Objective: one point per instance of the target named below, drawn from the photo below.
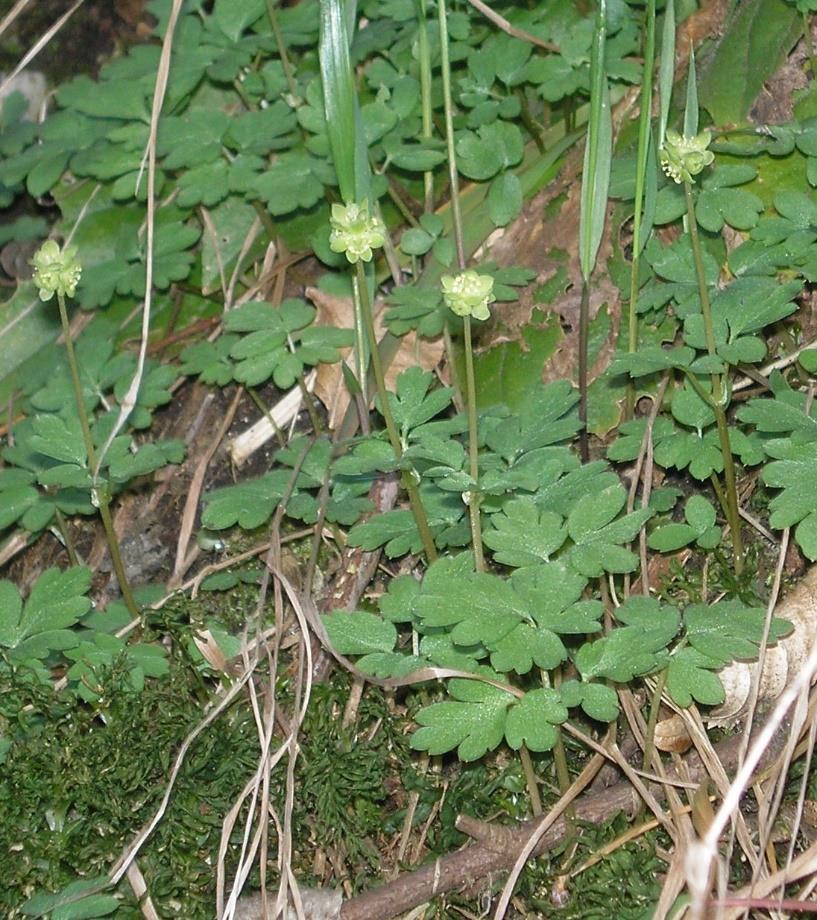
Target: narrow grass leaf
(646, 179)
(597, 153)
(666, 72)
(691, 112)
(340, 101)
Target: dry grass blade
(510, 29)
(162, 73)
(12, 14)
(192, 500)
(581, 782)
(124, 861)
(703, 853)
(137, 882)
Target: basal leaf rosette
(355, 231)
(683, 157)
(56, 270)
(469, 293)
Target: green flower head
(355, 231)
(56, 271)
(469, 293)
(683, 157)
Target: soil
(96, 31)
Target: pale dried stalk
(160, 89)
(194, 491)
(702, 854)
(243, 446)
(131, 851)
(13, 13)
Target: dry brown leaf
(330, 387)
(210, 651)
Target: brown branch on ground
(457, 870)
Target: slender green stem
(377, 366)
(640, 181)
(309, 405)
(528, 120)
(281, 45)
(718, 490)
(584, 321)
(473, 449)
(562, 772)
(424, 59)
(559, 753)
(99, 496)
(809, 46)
(265, 410)
(718, 391)
(652, 721)
(62, 525)
(530, 781)
(361, 343)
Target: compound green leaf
(504, 199)
(233, 16)
(525, 646)
(58, 438)
(598, 537)
(482, 154)
(670, 537)
(597, 700)
(412, 404)
(530, 720)
(262, 131)
(248, 504)
(192, 139)
(729, 630)
(290, 183)
(474, 726)
(210, 360)
(691, 678)
(15, 500)
(524, 534)
(56, 602)
(396, 531)
(359, 633)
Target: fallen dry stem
(456, 870)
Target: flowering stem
(377, 366)
(424, 60)
(473, 448)
(100, 494)
(717, 400)
(584, 314)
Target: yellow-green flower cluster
(683, 157)
(56, 271)
(355, 231)
(469, 293)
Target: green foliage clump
(77, 780)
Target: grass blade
(666, 73)
(691, 111)
(346, 138)
(597, 153)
